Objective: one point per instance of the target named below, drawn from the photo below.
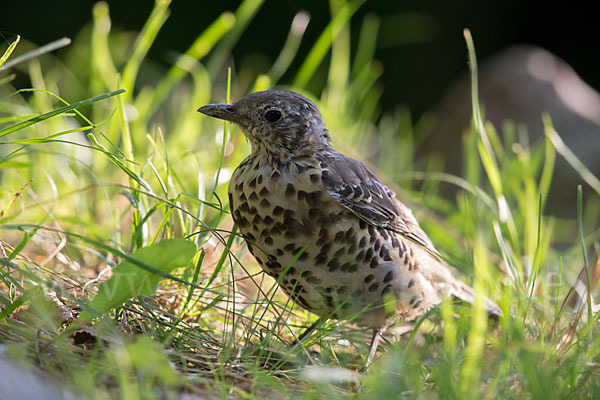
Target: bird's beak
(222, 111)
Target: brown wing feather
(358, 189)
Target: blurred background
(420, 54)
(420, 43)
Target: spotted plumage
(352, 246)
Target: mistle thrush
(354, 249)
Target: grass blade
(58, 111)
(8, 52)
(47, 48)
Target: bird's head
(281, 123)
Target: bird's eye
(273, 115)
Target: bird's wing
(355, 187)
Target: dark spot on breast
(363, 242)
(384, 233)
(240, 186)
(288, 213)
(314, 178)
(267, 220)
(300, 168)
(371, 230)
(388, 277)
(385, 254)
(313, 280)
(312, 198)
(253, 210)
(274, 265)
(264, 192)
(349, 267)
(253, 196)
(342, 289)
(349, 235)
(377, 245)
(264, 203)
(321, 258)
(322, 240)
(369, 278)
(314, 213)
(242, 222)
(259, 180)
(268, 240)
(333, 265)
(301, 195)
(290, 248)
(304, 256)
(275, 174)
(292, 228)
(362, 224)
(278, 210)
(250, 237)
(279, 252)
(410, 283)
(373, 287)
(352, 249)
(340, 237)
(257, 219)
(416, 304)
(290, 190)
(302, 301)
(360, 256)
(395, 242)
(277, 229)
(326, 247)
(374, 263)
(341, 251)
(252, 183)
(368, 254)
(244, 207)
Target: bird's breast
(327, 259)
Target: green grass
(91, 174)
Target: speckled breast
(333, 262)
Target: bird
(337, 239)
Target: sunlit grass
(90, 174)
